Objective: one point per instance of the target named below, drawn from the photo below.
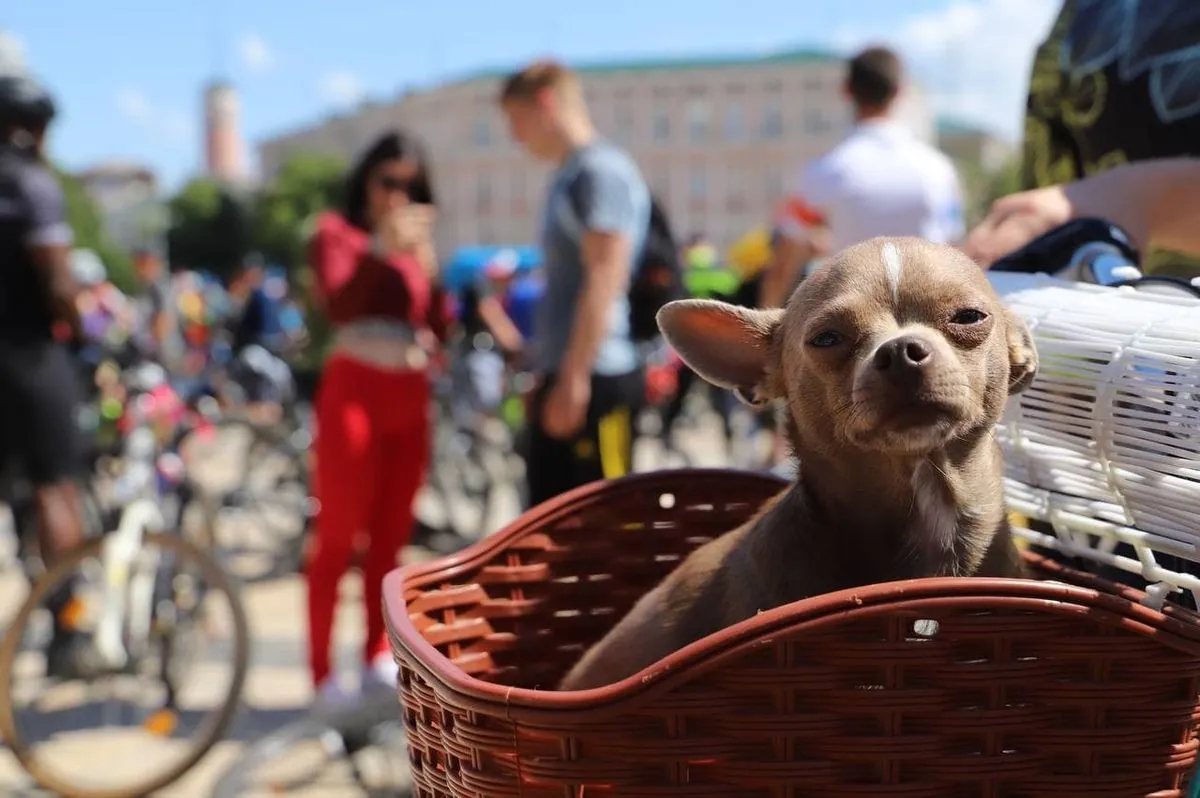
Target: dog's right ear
(730, 346)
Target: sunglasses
(393, 184)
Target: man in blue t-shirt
(595, 222)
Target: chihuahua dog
(895, 361)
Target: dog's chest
(935, 517)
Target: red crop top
(354, 283)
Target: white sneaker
(332, 697)
(381, 674)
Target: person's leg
(344, 487)
(43, 398)
(404, 456)
(549, 463)
(674, 408)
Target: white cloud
(972, 56)
(135, 106)
(340, 88)
(12, 54)
(255, 54)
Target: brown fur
(900, 476)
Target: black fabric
(39, 396)
(555, 466)
(1115, 83)
(31, 208)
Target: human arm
(1156, 202)
(604, 201)
(49, 238)
(803, 227)
(348, 270)
(499, 324)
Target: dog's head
(895, 346)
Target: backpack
(657, 276)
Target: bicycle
(347, 736)
(151, 607)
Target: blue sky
(129, 72)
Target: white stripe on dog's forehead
(892, 266)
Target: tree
(88, 226)
(210, 228)
(306, 185)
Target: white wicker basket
(1105, 445)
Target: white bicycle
(141, 598)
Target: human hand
(407, 229)
(565, 409)
(1015, 220)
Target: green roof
(950, 126)
(648, 64)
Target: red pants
(372, 450)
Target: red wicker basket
(955, 688)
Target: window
(772, 122)
(734, 122)
(697, 185)
(698, 113)
(816, 122)
(812, 83)
(481, 134)
(517, 185)
(624, 126)
(483, 193)
(774, 185)
(662, 125)
(735, 184)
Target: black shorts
(603, 449)
(39, 402)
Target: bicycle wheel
(302, 754)
(209, 731)
(265, 497)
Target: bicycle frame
(121, 548)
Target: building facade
(128, 199)
(718, 139)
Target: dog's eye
(968, 316)
(825, 339)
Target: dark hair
(391, 146)
(873, 77)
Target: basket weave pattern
(1105, 445)
(952, 688)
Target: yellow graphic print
(1061, 109)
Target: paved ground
(277, 690)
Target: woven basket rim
(1103, 601)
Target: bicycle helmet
(24, 102)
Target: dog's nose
(902, 353)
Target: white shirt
(880, 181)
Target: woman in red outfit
(375, 278)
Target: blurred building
(717, 138)
(967, 143)
(127, 196)
(224, 150)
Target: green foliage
(88, 225)
(210, 228)
(305, 186)
(981, 188)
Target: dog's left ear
(730, 346)
(1022, 353)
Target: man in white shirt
(880, 180)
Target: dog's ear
(731, 347)
(1022, 353)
